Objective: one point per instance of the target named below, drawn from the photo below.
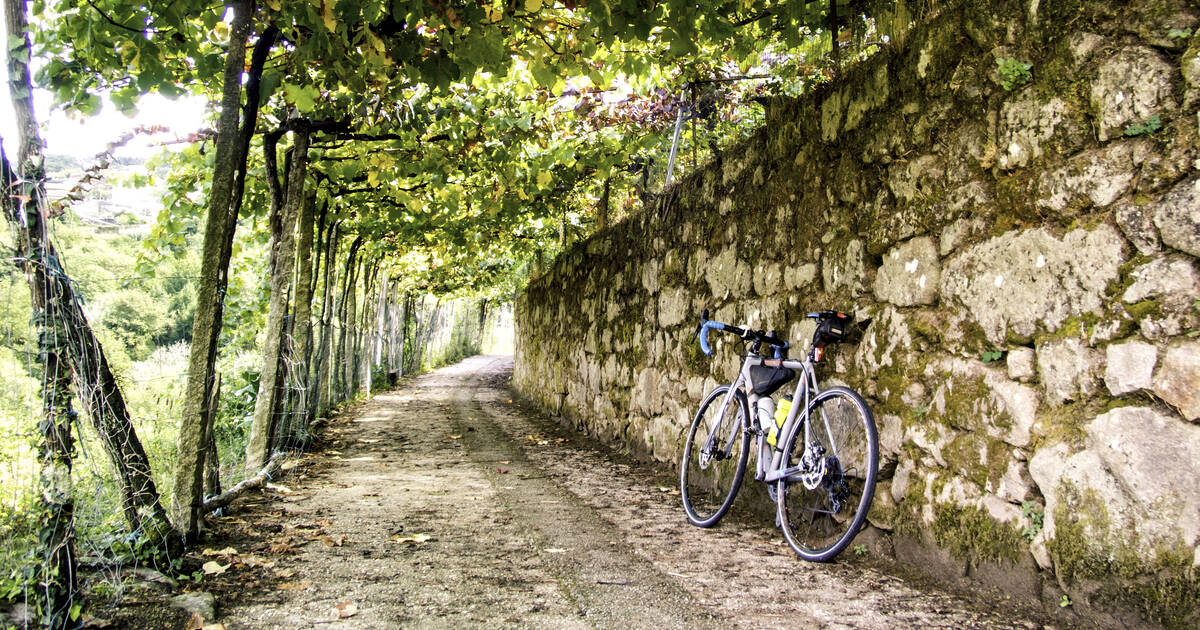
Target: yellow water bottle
(781, 414)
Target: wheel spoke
(824, 506)
(710, 476)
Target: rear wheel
(824, 504)
(714, 457)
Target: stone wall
(1029, 258)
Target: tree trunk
(301, 326)
(258, 444)
(346, 318)
(408, 332)
(366, 327)
(56, 532)
(320, 383)
(602, 207)
(350, 332)
(224, 203)
(483, 324)
(212, 458)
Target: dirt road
(444, 504)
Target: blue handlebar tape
(704, 328)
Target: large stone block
(1131, 86)
(1170, 276)
(1178, 378)
(1117, 488)
(1068, 370)
(1019, 362)
(1098, 177)
(1028, 125)
(798, 276)
(1178, 217)
(919, 176)
(1138, 227)
(1023, 281)
(674, 307)
(728, 275)
(1129, 366)
(844, 267)
(974, 396)
(910, 273)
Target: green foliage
(1034, 515)
(136, 319)
(1013, 73)
(991, 355)
(1179, 33)
(1151, 125)
(860, 550)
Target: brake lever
(703, 318)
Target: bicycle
(821, 474)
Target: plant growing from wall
(1030, 510)
(1013, 73)
(1151, 125)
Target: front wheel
(824, 502)
(714, 457)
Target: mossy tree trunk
(266, 406)
(319, 385)
(350, 333)
(24, 203)
(224, 204)
(346, 319)
(293, 418)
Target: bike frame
(806, 388)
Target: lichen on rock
(1026, 281)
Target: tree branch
(257, 481)
(117, 24)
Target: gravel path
(446, 504)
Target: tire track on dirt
(445, 504)
(741, 570)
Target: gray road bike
(819, 456)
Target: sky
(85, 137)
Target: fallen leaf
(279, 488)
(555, 550)
(333, 542)
(453, 437)
(228, 551)
(664, 489)
(295, 586)
(214, 626)
(284, 574)
(367, 441)
(414, 539)
(322, 523)
(255, 561)
(212, 567)
(505, 462)
(343, 610)
(288, 465)
(196, 622)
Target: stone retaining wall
(1029, 258)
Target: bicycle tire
(706, 499)
(821, 514)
